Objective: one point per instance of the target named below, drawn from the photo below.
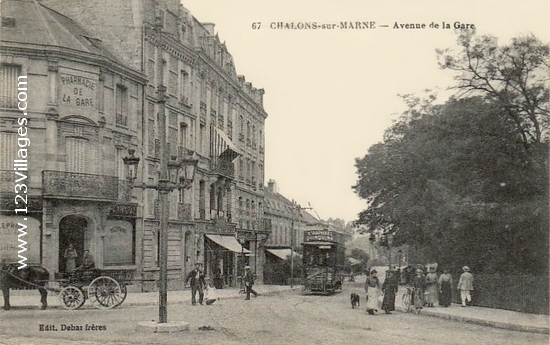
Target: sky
(330, 94)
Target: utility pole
(292, 239)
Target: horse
(29, 277)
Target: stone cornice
(234, 82)
(55, 52)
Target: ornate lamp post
(177, 174)
(131, 162)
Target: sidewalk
(31, 298)
(484, 316)
(498, 318)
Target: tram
(322, 260)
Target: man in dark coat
(197, 283)
(249, 282)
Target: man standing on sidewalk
(197, 282)
(249, 282)
(465, 285)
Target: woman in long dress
(432, 287)
(445, 288)
(389, 288)
(373, 290)
(70, 256)
(418, 283)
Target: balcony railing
(78, 185)
(222, 167)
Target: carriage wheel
(124, 292)
(72, 297)
(106, 292)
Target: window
(181, 195)
(121, 169)
(212, 197)
(8, 85)
(183, 134)
(81, 156)
(121, 105)
(8, 143)
(151, 137)
(184, 87)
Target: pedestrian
(445, 288)
(390, 287)
(197, 282)
(432, 288)
(373, 290)
(249, 282)
(70, 256)
(418, 283)
(465, 286)
(211, 294)
(88, 261)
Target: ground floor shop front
(59, 231)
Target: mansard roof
(28, 22)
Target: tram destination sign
(321, 235)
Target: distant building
(288, 222)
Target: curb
(478, 321)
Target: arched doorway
(72, 229)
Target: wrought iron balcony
(222, 167)
(64, 184)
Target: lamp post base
(168, 327)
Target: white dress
(373, 294)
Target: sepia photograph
(274, 172)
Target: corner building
(84, 111)
(212, 114)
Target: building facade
(69, 110)
(287, 222)
(212, 114)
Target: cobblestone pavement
(284, 318)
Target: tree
(360, 255)
(453, 183)
(514, 76)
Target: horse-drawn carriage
(104, 288)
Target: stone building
(69, 111)
(288, 221)
(212, 114)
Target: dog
(355, 300)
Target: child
(211, 294)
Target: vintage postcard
(274, 172)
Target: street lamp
(131, 162)
(170, 170)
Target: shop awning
(282, 253)
(223, 146)
(228, 242)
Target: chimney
(272, 186)
(209, 27)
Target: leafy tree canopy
(466, 181)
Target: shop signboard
(19, 239)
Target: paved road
(288, 318)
